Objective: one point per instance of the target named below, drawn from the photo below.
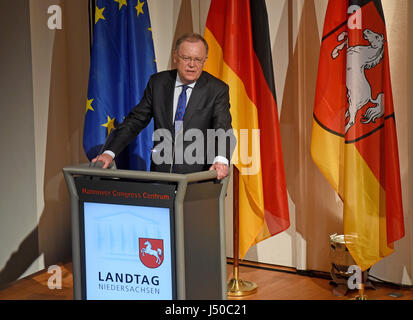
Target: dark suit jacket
(207, 108)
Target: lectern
(147, 235)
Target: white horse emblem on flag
(360, 58)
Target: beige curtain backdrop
(60, 60)
(317, 209)
(60, 63)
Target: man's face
(190, 59)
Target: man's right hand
(105, 158)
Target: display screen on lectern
(127, 252)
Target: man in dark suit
(190, 108)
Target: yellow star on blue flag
(122, 61)
(89, 105)
(110, 124)
(99, 14)
(121, 3)
(139, 8)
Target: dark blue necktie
(180, 109)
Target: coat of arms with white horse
(359, 92)
(151, 252)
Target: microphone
(102, 149)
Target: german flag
(354, 141)
(240, 54)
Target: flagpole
(236, 286)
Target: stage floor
(274, 283)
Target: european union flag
(122, 62)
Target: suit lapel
(169, 90)
(194, 100)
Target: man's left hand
(221, 169)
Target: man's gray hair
(191, 37)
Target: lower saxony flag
(354, 140)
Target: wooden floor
(272, 285)
(285, 284)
